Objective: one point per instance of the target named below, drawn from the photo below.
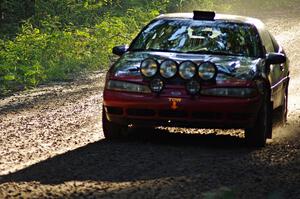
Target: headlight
(193, 87)
(127, 87)
(168, 68)
(156, 85)
(187, 70)
(207, 71)
(230, 92)
(149, 67)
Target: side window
(267, 41)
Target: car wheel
(257, 135)
(111, 130)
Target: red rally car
(199, 70)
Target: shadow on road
(140, 158)
(147, 165)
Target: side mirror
(119, 50)
(275, 58)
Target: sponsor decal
(174, 103)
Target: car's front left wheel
(257, 135)
(111, 130)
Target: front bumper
(187, 111)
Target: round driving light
(168, 68)
(193, 87)
(149, 67)
(187, 70)
(207, 71)
(156, 85)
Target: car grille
(140, 112)
(114, 110)
(172, 113)
(207, 115)
(165, 113)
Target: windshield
(194, 36)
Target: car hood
(229, 67)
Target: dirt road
(52, 146)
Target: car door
(276, 71)
(280, 74)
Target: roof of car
(223, 17)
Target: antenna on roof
(204, 15)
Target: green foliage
(12, 12)
(229, 5)
(68, 37)
(190, 5)
(19, 61)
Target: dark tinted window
(193, 36)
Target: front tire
(257, 135)
(111, 130)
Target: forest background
(57, 40)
